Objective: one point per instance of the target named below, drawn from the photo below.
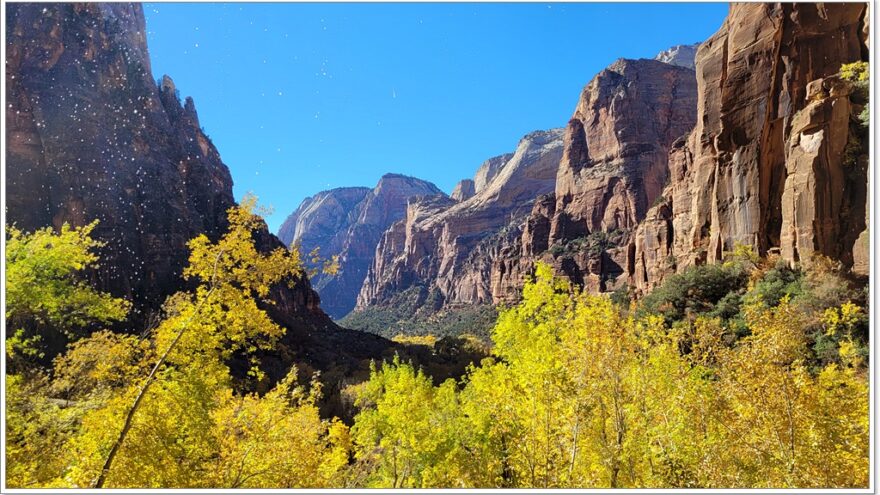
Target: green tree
(46, 296)
(45, 290)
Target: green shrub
(858, 73)
(697, 290)
(594, 243)
(417, 312)
(556, 249)
(622, 296)
(778, 282)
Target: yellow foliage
(276, 441)
(855, 71)
(578, 395)
(575, 394)
(190, 429)
(404, 432)
(780, 420)
(43, 284)
(425, 340)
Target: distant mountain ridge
(348, 222)
(440, 246)
(664, 164)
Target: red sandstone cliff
(774, 161)
(613, 167)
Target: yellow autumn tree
(787, 425)
(47, 299)
(577, 394)
(276, 441)
(169, 428)
(405, 435)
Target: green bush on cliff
(859, 74)
(696, 290)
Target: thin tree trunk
(102, 477)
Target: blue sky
(304, 97)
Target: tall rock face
(91, 135)
(349, 222)
(774, 161)
(617, 142)
(446, 247)
(613, 167)
(488, 170)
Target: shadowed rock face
(319, 220)
(91, 135)
(448, 247)
(765, 165)
(348, 222)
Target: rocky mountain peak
(445, 246)
(610, 172)
(167, 84)
(530, 170)
(680, 55)
(488, 169)
(550, 137)
(348, 222)
(124, 151)
(387, 203)
(127, 152)
(319, 217)
(464, 190)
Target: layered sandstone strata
(447, 247)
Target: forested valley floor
(746, 373)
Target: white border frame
(872, 190)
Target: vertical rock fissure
(771, 153)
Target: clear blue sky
(304, 97)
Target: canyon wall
(572, 197)
(92, 136)
(613, 168)
(445, 247)
(775, 160)
(664, 167)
